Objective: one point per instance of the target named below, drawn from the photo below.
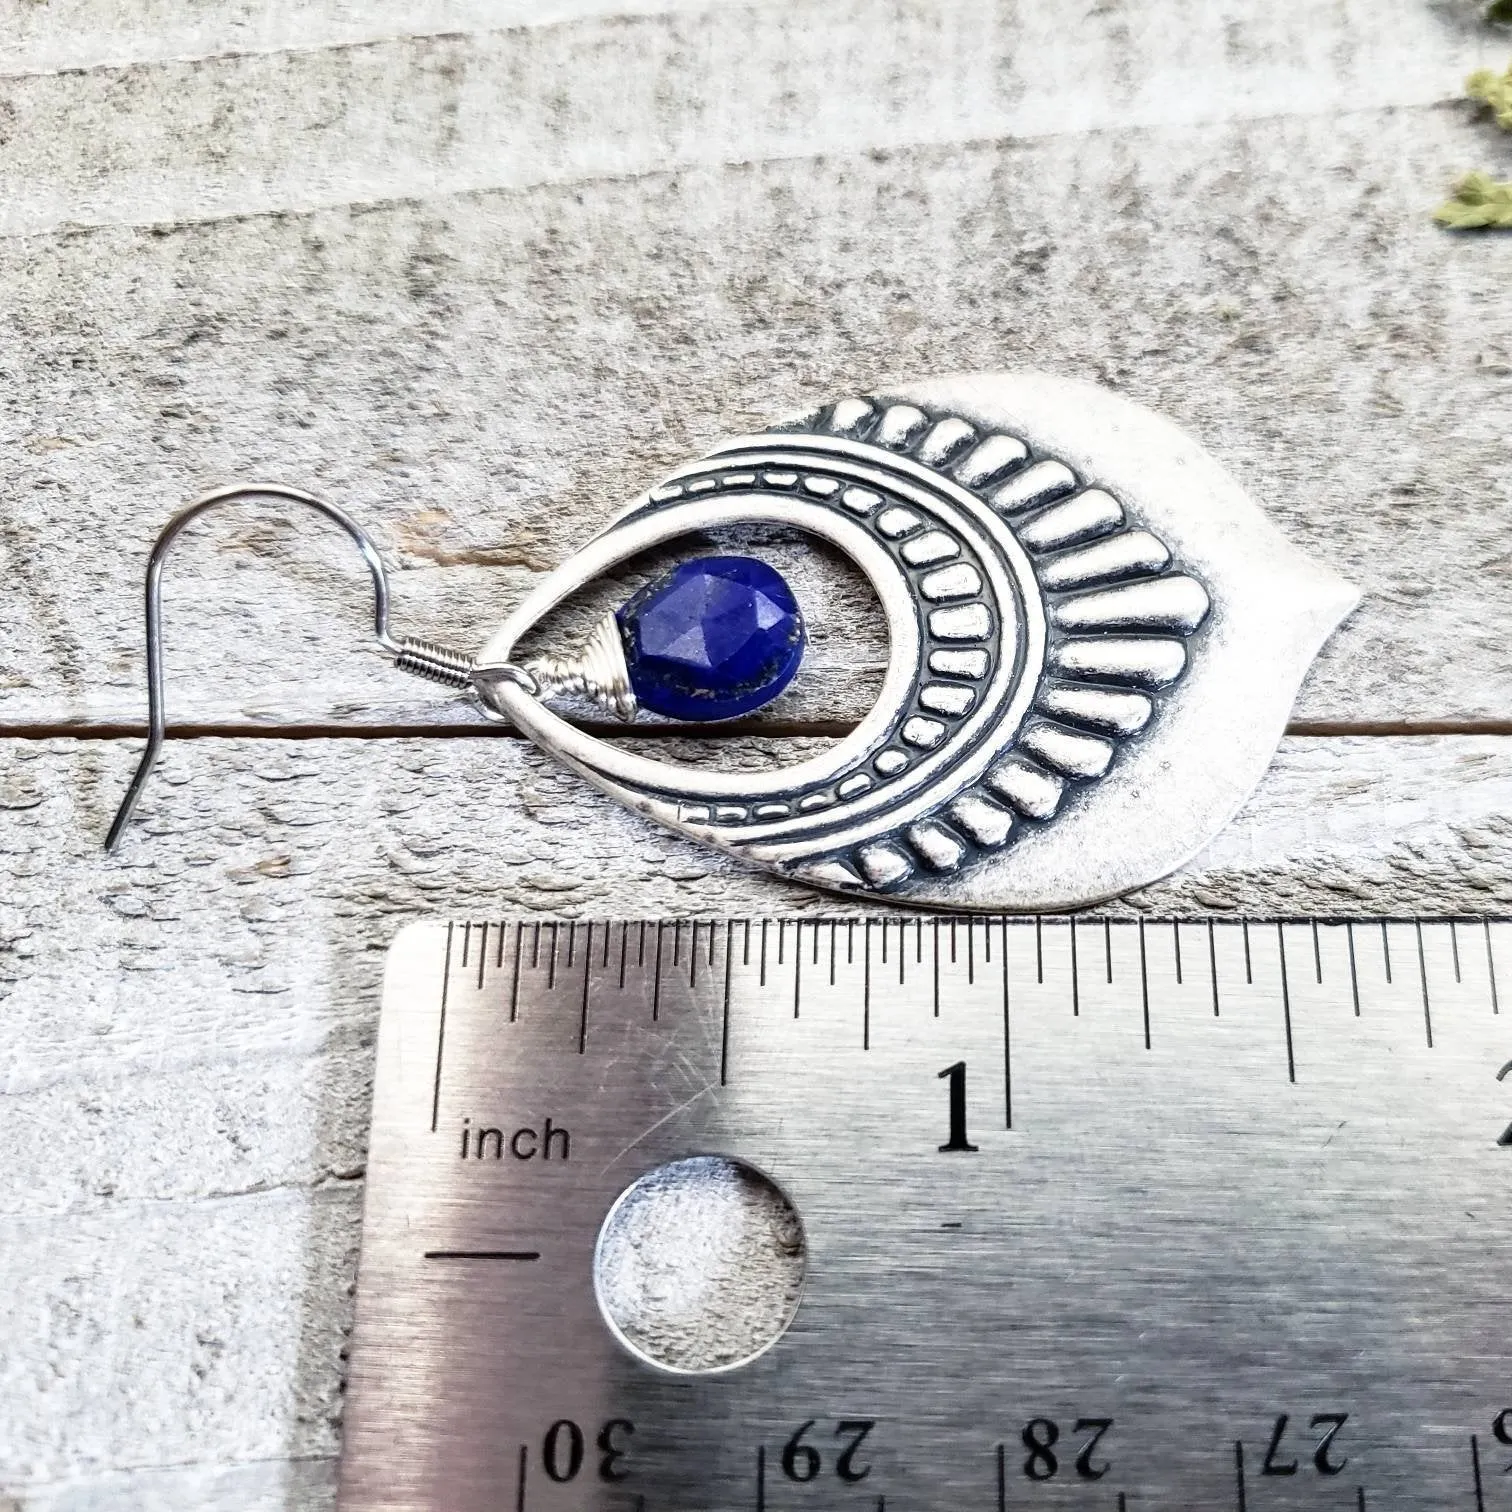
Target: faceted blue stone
(715, 638)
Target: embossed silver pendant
(1096, 639)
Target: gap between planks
(833, 729)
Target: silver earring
(1096, 639)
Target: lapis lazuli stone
(715, 638)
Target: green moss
(1478, 202)
(1500, 10)
(1494, 90)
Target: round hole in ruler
(699, 1265)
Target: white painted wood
(618, 95)
(47, 36)
(482, 378)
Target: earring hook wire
(420, 657)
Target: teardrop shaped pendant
(1095, 641)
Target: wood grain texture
(56, 36)
(482, 378)
(479, 270)
(409, 116)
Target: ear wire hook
(422, 658)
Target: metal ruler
(1221, 1218)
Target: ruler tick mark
(551, 960)
(583, 1006)
(1213, 965)
(521, 1255)
(571, 943)
(514, 984)
(1039, 948)
(782, 942)
(834, 928)
(1491, 969)
(482, 953)
(761, 981)
(1075, 978)
(624, 951)
(937, 968)
(656, 975)
(1423, 979)
(798, 970)
(1360, 1499)
(1108, 947)
(1002, 1479)
(1317, 953)
(1239, 1473)
(1386, 950)
(1007, 1040)
(1176, 946)
(1291, 1059)
(724, 1032)
(693, 954)
(441, 1030)
(970, 952)
(1249, 964)
(761, 1479)
(1454, 948)
(520, 1485)
(1354, 974)
(866, 985)
(1475, 1467)
(1144, 983)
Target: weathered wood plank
(59, 35)
(277, 1485)
(254, 132)
(482, 377)
(186, 1042)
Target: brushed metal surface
(1224, 1172)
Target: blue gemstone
(714, 638)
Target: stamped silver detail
(934, 547)
(973, 664)
(895, 523)
(924, 733)
(1095, 639)
(946, 698)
